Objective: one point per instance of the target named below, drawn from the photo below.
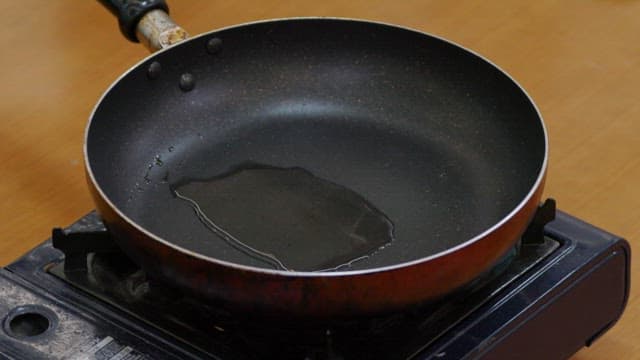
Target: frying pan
(440, 140)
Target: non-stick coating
(435, 137)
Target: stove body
(558, 293)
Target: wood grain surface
(579, 60)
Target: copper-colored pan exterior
(322, 295)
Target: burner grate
(110, 276)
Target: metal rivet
(187, 82)
(154, 70)
(214, 45)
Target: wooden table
(579, 60)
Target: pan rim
(534, 189)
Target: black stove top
(556, 292)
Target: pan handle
(146, 21)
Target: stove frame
(572, 293)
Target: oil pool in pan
(288, 218)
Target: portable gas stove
(76, 296)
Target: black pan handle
(146, 21)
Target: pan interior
(440, 141)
